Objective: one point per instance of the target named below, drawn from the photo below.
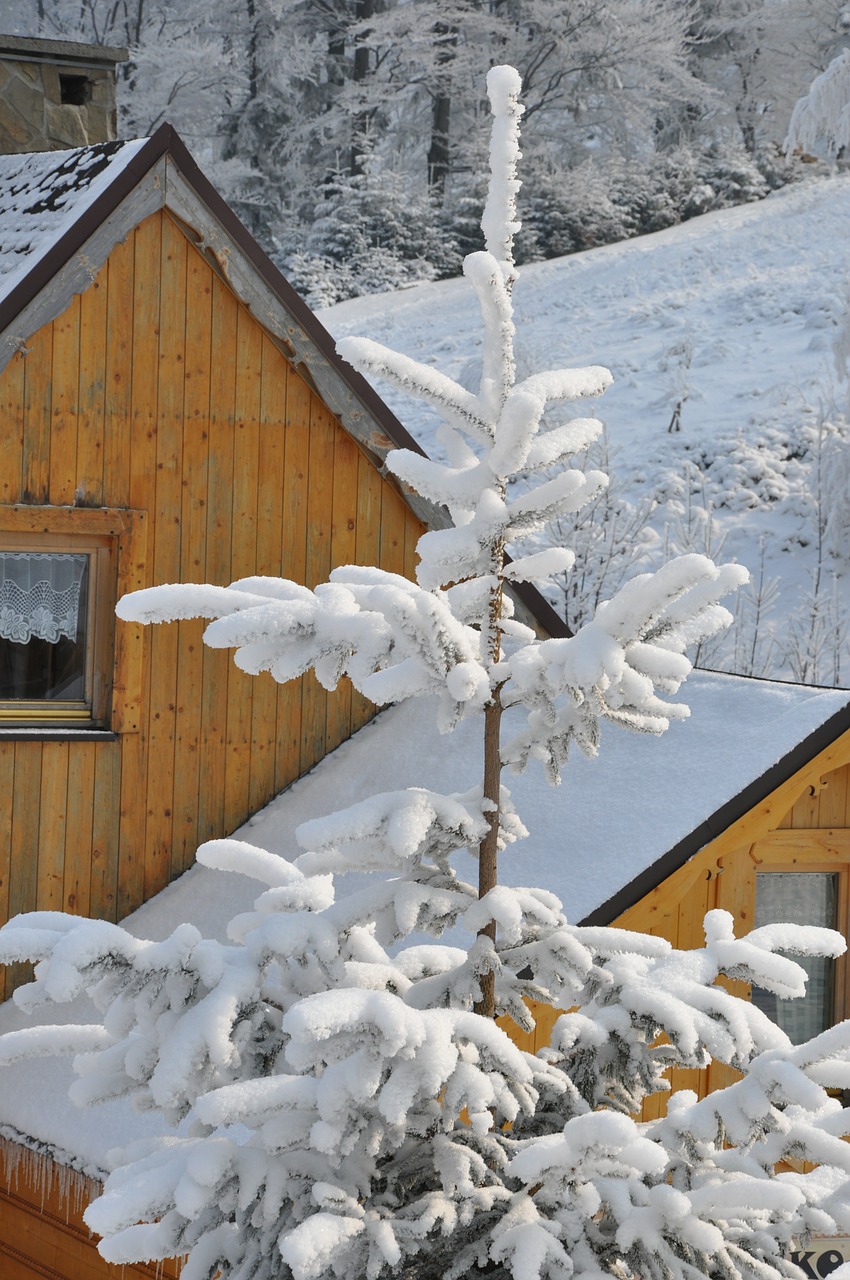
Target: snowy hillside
(736, 317)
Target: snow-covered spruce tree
(343, 1101)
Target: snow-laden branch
(821, 118)
(392, 638)
(458, 405)
(487, 277)
(615, 665)
(390, 830)
(499, 221)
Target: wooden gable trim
(747, 817)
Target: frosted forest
(341, 1098)
(346, 135)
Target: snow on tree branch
(821, 118)
(499, 220)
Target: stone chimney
(55, 94)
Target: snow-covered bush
(343, 1101)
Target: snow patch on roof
(611, 819)
(42, 195)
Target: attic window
(74, 91)
(800, 898)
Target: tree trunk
(438, 151)
(445, 37)
(488, 874)
(488, 849)
(364, 9)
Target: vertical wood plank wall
(157, 390)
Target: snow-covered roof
(43, 195)
(609, 825)
(609, 821)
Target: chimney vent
(55, 94)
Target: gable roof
(618, 824)
(42, 196)
(616, 827)
(62, 212)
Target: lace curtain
(40, 595)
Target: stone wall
(49, 101)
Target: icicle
(36, 1170)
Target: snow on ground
(609, 820)
(736, 311)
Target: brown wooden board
(104, 846)
(92, 391)
(265, 709)
(12, 435)
(171, 356)
(38, 409)
(118, 374)
(65, 406)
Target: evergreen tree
(344, 1102)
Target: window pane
(805, 898)
(43, 625)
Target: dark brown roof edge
(713, 826)
(167, 141)
(540, 608)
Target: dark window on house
(74, 91)
(43, 627)
(56, 597)
(799, 898)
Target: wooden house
(171, 411)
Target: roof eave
(71, 241)
(729, 813)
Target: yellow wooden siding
(157, 390)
